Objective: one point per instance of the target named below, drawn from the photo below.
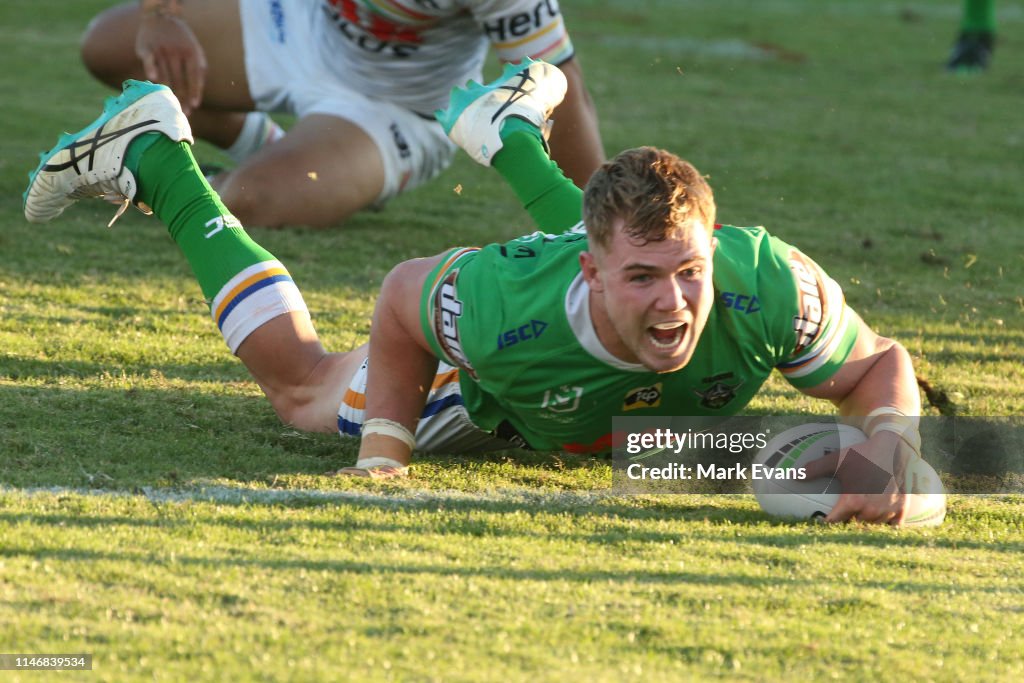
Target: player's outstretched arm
(576, 138)
(401, 370)
(878, 372)
(876, 383)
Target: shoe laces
(107, 189)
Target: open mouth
(666, 335)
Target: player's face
(650, 302)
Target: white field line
(240, 495)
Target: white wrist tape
(378, 461)
(885, 410)
(898, 423)
(385, 427)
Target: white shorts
(444, 427)
(286, 74)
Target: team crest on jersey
(447, 311)
(564, 399)
(811, 302)
(719, 393)
(643, 397)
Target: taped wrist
(379, 461)
(390, 428)
(890, 419)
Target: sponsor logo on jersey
(370, 31)
(740, 302)
(719, 393)
(400, 141)
(643, 397)
(523, 333)
(810, 284)
(277, 18)
(447, 311)
(565, 399)
(518, 25)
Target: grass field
(154, 512)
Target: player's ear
(589, 268)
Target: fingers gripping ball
(792, 498)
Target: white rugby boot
(90, 163)
(529, 90)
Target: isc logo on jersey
(523, 333)
(810, 287)
(447, 311)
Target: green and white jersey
(515, 319)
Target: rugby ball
(786, 496)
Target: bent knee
(303, 406)
(293, 408)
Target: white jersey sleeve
(525, 28)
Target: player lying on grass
(362, 79)
(541, 340)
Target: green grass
(157, 515)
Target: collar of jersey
(577, 310)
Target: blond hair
(655, 194)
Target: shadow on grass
(140, 432)
(497, 568)
(589, 520)
(27, 369)
(136, 434)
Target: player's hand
(872, 476)
(171, 54)
(379, 472)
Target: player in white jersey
(363, 78)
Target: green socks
(245, 285)
(979, 16)
(211, 238)
(551, 199)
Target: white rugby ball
(795, 499)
